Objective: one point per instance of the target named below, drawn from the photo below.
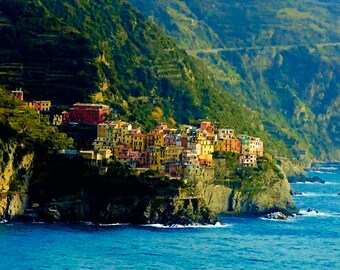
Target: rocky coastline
(304, 179)
(134, 210)
(59, 193)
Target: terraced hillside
(106, 51)
(281, 58)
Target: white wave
(331, 183)
(3, 221)
(314, 194)
(311, 183)
(289, 219)
(308, 183)
(328, 168)
(322, 172)
(113, 224)
(315, 213)
(179, 226)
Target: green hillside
(281, 58)
(23, 130)
(106, 51)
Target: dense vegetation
(105, 51)
(23, 132)
(26, 130)
(281, 58)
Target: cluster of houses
(170, 150)
(173, 151)
(43, 107)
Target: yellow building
(206, 160)
(156, 158)
(128, 139)
(120, 131)
(125, 128)
(173, 153)
(91, 157)
(38, 105)
(43, 105)
(204, 147)
(159, 139)
(102, 130)
(105, 138)
(106, 153)
(116, 150)
(28, 104)
(139, 142)
(256, 146)
(100, 143)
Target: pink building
(87, 113)
(18, 94)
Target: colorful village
(177, 152)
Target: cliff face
(274, 197)
(222, 199)
(253, 195)
(214, 191)
(15, 172)
(133, 209)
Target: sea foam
(315, 213)
(179, 226)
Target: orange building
(207, 126)
(38, 105)
(231, 145)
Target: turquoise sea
(308, 241)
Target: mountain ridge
(71, 51)
(278, 70)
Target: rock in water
(50, 215)
(276, 215)
(294, 192)
(309, 210)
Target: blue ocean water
(309, 241)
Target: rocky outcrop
(15, 172)
(259, 195)
(222, 199)
(134, 210)
(290, 168)
(276, 215)
(275, 197)
(215, 191)
(304, 179)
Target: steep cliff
(126, 209)
(15, 172)
(68, 189)
(249, 192)
(23, 137)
